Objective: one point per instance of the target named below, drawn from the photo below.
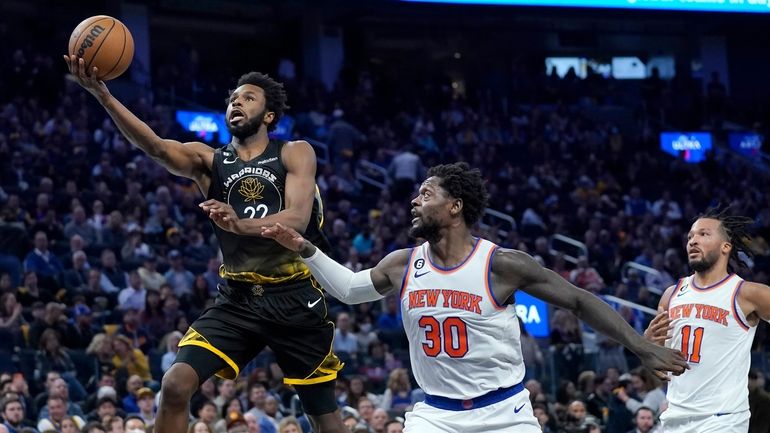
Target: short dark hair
(93, 425)
(393, 421)
(466, 184)
(644, 408)
(8, 400)
(275, 95)
(130, 417)
(736, 230)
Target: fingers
(661, 375)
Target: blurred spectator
(289, 425)
(53, 357)
(645, 391)
(207, 412)
(55, 414)
(94, 427)
(379, 418)
(133, 360)
(30, 291)
(134, 296)
(133, 330)
(153, 318)
(43, 263)
(116, 278)
(11, 320)
(134, 424)
(151, 278)
(394, 426)
(172, 347)
(357, 389)
(252, 423)
(531, 353)
(76, 278)
(145, 400)
(180, 279)
(644, 420)
(365, 409)
(586, 277)
(345, 341)
(212, 274)
(343, 137)
(80, 226)
(759, 401)
(54, 319)
(14, 416)
(398, 393)
(130, 401)
(199, 427)
(225, 391)
(404, 172)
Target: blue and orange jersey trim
(442, 270)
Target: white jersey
(462, 342)
(713, 333)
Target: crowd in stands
(105, 258)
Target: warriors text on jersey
(713, 334)
(256, 189)
(462, 342)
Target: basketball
(103, 42)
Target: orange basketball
(104, 42)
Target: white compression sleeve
(342, 283)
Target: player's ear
(457, 207)
(269, 118)
(727, 247)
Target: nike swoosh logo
(416, 275)
(313, 304)
(227, 161)
(681, 293)
(518, 409)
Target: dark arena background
(602, 129)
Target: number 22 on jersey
(451, 336)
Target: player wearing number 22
(457, 297)
(270, 298)
(711, 316)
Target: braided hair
(735, 228)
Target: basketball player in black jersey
(270, 298)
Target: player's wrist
(307, 250)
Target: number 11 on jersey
(688, 334)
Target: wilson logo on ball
(89, 40)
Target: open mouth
(236, 116)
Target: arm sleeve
(342, 283)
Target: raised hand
(286, 236)
(86, 79)
(222, 214)
(659, 329)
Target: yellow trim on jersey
(257, 278)
(326, 370)
(194, 338)
(312, 381)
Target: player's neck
(251, 146)
(455, 245)
(711, 276)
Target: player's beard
(247, 129)
(706, 262)
(427, 229)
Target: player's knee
(178, 385)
